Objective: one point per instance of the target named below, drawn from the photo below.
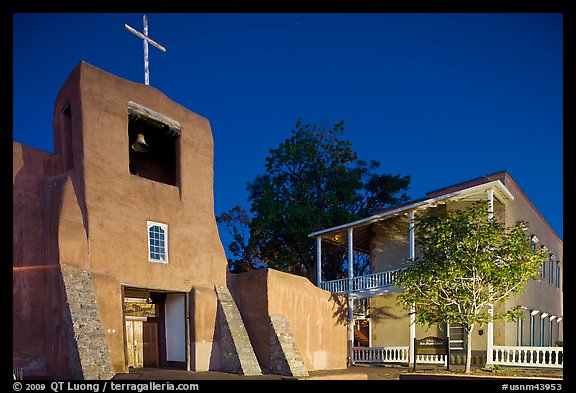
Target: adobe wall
(81, 207)
(119, 204)
(39, 342)
(317, 319)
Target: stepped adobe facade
(117, 260)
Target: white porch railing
(380, 354)
(392, 355)
(551, 357)
(546, 357)
(370, 281)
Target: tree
(237, 223)
(313, 180)
(468, 263)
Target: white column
(490, 203)
(350, 254)
(350, 329)
(370, 332)
(490, 338)
(411, 234)
(319, 261)
(412, 334)
(350, 300)
(412, 308)
(490, 325)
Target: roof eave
(502, 194)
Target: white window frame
(551, 330)
(533, 314)
(162, 243)
(542, 328)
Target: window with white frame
(544, 263)
(533, 314)
(157, 242)
(551, 324)
(551, 268)
(542, 326)
(558, 274)
(534, 242)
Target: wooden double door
(142, 343)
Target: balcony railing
(370, 281)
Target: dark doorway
(155, 328)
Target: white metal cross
(146, 40)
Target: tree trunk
(468, 349)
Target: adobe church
(117, 260)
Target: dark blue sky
(443, 98)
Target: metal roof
(361, 227)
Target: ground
(373, 372)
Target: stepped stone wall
(90, 357)
(237, 354)
(284, 356)
(316, 320)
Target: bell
(140, 145)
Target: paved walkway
(374, 372)
(356, 372)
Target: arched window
(157, 242)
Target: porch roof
(362, 227)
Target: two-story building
(383, 332)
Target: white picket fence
(548, 357)
(380, 354)
(392, 355)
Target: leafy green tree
(468, 262)
(313, 180)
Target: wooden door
(150, 344)
(135, 344)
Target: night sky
(442, 97)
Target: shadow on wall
(375, 312)
(384, 312)
(341, 313)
